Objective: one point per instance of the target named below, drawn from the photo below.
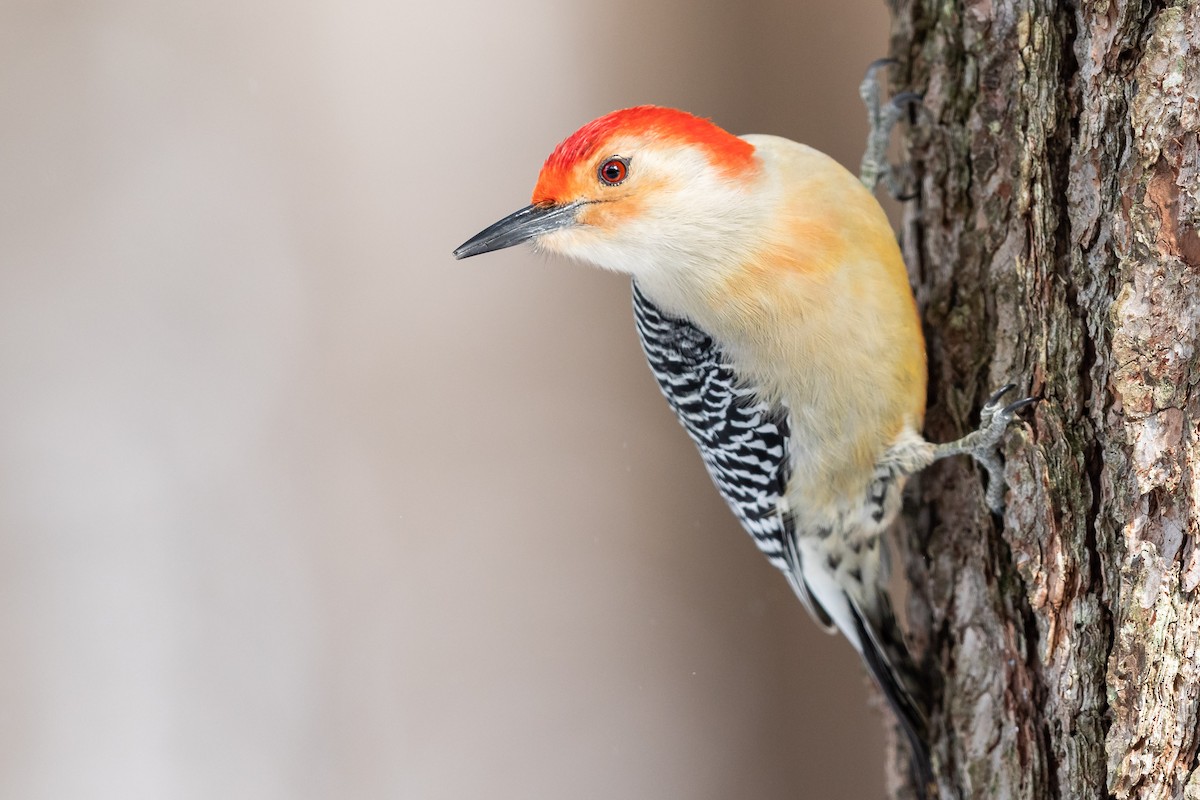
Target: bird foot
(983, 444)
(882, 118)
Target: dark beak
(520, 227)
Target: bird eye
(614, 170)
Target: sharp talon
(1012, 408)
(879, 63)
(994, 400)
(907, 98)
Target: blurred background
(292, 505)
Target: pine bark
(1055, 243)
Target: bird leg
(983, 444)
(882, 118)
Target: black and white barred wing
(742, 440)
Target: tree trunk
(1054, 243)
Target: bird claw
(882, 118)
(992, 404)
(983, 444)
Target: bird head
(636, 190)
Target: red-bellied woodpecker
(775, 311)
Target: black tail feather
(912, 720)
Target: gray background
(292, 505)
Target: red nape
(725, 150)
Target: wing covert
(742, 440)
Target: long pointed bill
(520, 227)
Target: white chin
(584, 245)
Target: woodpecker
(774, 308)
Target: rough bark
(1055, 243)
